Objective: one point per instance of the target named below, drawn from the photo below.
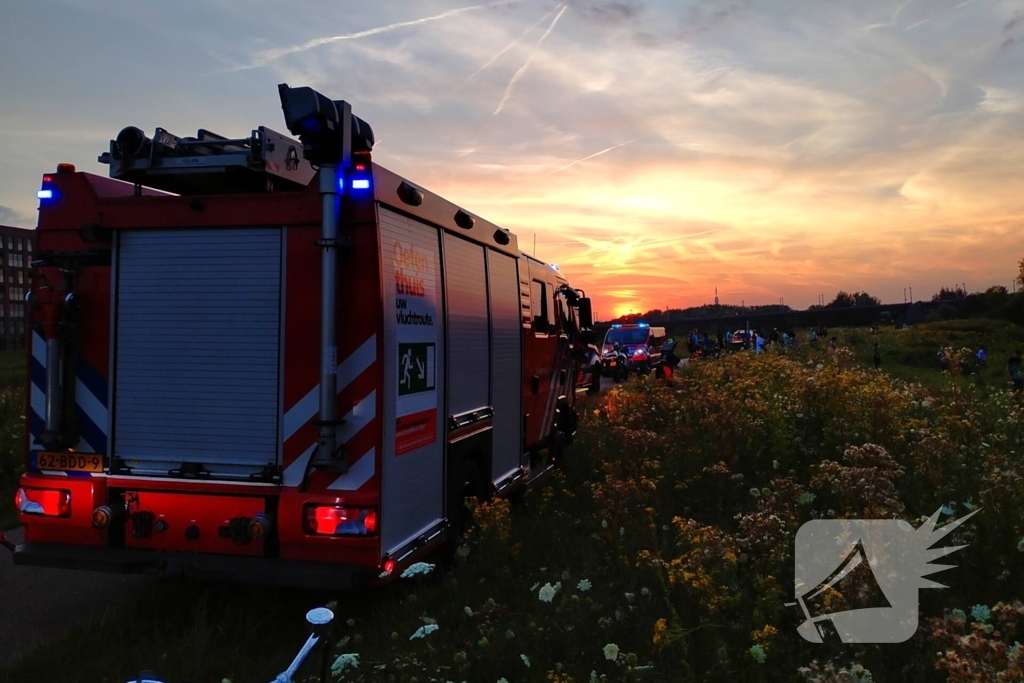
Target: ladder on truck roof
(266, 161)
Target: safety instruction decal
(416, 320)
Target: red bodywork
(164, 508)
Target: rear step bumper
(255, 570)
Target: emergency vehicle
(273, 360)
(640, 343)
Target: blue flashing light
(643, 325)
(45, 194)
(360, 183)
(617, 325)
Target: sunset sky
(655, 148)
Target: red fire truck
(273, 360)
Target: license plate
(70, 462)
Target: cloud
(9, 216)
(271, 55)
(526, 65)
(611, 12)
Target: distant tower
(716, 296)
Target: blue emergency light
(44, 194)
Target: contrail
(595, 154)
(510, 45)
(950, 9)
(272, 55)
(524, 67)
(570, 165)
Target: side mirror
(586, 313)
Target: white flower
(463, 551)
(604, 523)
(645, 591)
(468, 611)
(418, 568)
(611, 652)
(526, 660)
(622, 531)
(926, 404)
(547, 593)
(584, 585)
(534, 586)
(423, 631)
(502, 680)
(630, 597)
(343, 662)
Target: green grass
(12, 431)
(912, 354)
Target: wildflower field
(662, 548)
(12, 430)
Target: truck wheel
(567, 422)
(595, 380)
(556, 444)
(467, 485)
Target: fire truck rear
(273, 360)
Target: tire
(567, 423)
(469, 484)
(595, 380)
(556, 444)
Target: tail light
(44, 502)
(332, 520)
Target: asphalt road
(37, 604)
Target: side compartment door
(506, 363)
(413, 453)
(539, 345)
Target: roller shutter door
(198, 348)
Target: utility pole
(911, 295)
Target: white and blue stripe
(90, 399)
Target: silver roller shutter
(468, 344)
(198, 341)
(507, 363)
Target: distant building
(16, 248)
(716, 296)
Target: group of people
(979, 359)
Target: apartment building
(16, 248)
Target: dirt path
(37, 604)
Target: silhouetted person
(1013, 366)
